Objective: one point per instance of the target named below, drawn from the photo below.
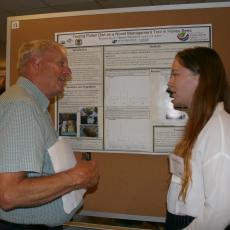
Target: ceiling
(29, 7)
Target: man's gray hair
(36, 47)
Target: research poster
(116, 99)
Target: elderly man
(30, 189)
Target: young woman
(199, 193)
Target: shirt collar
(34, 91)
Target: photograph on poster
(89, 131)
(89, 115)
(67, 124)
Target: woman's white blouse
(208, 197)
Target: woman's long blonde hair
(212, 88)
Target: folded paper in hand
(62, 158)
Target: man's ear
(35, 62)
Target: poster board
(117, 98)
(131, 186)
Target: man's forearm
(28, 192)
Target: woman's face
(182, 84)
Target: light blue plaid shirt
(26, 132)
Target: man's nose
(68, 73)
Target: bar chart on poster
(115, 105)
